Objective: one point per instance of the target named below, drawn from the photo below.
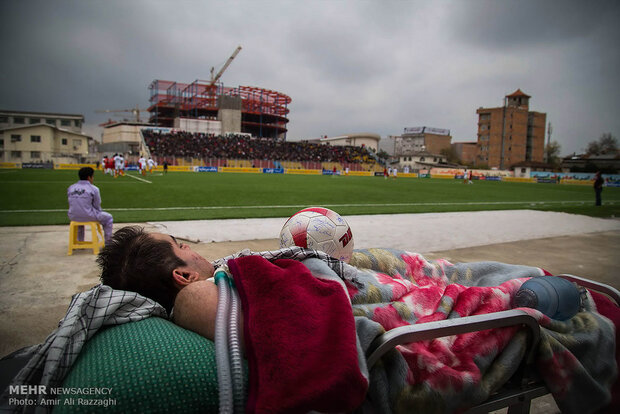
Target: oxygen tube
(236, 362)
(227, 346)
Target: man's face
(194, 261)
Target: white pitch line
(532, 203)
(138, 178)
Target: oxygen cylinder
(555, 297)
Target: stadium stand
(185, 148)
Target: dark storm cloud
(336, 49)
(72, 58)
(375, 66)
(526, 24)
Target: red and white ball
(321, 229)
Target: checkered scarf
(294, 253)
(50, 361)
(344, 271)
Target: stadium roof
(41, 124)
(28, 113)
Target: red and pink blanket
(306, 330)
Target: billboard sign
(414, 130)
(49, 165)
(436, 131)
(205, 169)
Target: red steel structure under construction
(263, 111)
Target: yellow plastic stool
(97, 239)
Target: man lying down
(308, 319)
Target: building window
(34, 121)
(50, 121)
(4, 119)
(16, 154)
(483, 127)
(1, 143)
(485, 117)
(65, 122)
(18, 120)
(77, 123)
(35, 154)
(63, 141)
(16, 138)
(35, 138)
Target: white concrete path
(414, 232)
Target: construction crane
(215, 78)
(135, 111)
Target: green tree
(383, 156)
(606, 144)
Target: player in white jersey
(142, 165)
(151, 164)
(119, 165)
(122, 164)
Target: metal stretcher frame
(519, 392)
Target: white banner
(436, 131)
(414, 130)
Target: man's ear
(183, 277)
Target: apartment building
(511, 133)
(420, 139)
(32, 137)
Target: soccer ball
(321, 229)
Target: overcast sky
(349, 66)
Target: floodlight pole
(548, 142)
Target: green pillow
(151, 365)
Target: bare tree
(606, 144)
(609, 144)
(552, 151)
(450, 154)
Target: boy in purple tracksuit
(85, 204)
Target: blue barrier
(542, 180)
(205, 169)
(273, 170)
(46, 165)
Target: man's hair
(136, 261)
(85, 172)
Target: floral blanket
(389, 288)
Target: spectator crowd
(206, 146)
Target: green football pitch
(38, 197)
